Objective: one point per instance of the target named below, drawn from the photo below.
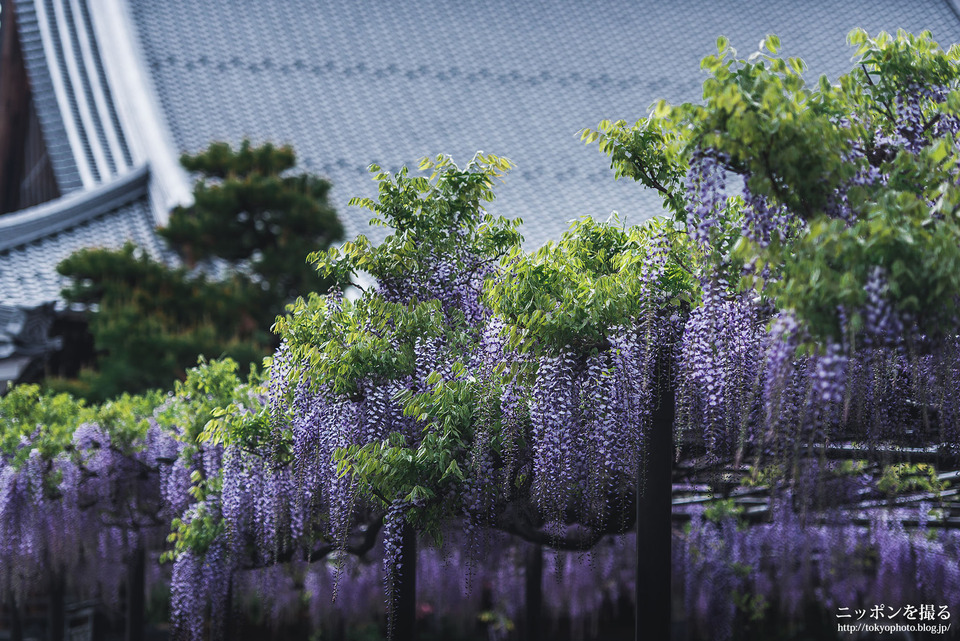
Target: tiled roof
(24, 334)
(351, 83)
(71, 92)
(28, 272)
(45, 100)
(47, 219)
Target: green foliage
(720, 510)
(237, 424)
(30, 419)
(430, 217)
(796, 144)
(647, 152)
(152, 321)
(228, 410)
(499, 623)
(125, 418)
(339, 343)
(761, 115)
(652, 152)
(910, 477)
(421, 473)
(195, 534)
(250, 209)
(214, 405)
(571, 294)
(344, 341)
(373, 339)
(890, 63)
(763, 476)
(827, 268)
(34, 419)
(754, 606)
(210, 391)
(907, 227)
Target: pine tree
(251, 210)
(151, 321)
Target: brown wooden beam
(14, 110)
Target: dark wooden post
(231, 626)
(14, 108)
(136, 594)
(403, 609)
(533, 577)
(57, 606)
(26, 176)
(654, 520)
(16, 625)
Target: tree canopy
(252, 209)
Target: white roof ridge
(51, 217)
(138, 106)
(955, 7)
(59, 77)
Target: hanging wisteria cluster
(802, 310)
(77, 500)
(582, 593)
(355, 438)
(237, 504)
(587, 320)
(586, 426)
(730, 574)
(837, 336)
(826, 242)
(719, 366)
(269, 482)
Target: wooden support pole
(654, 521)
(136, 595)
(533, 578)
(403, 608)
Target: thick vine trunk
(136, 595)
(654, 523)
(403, 609)
(533, 577)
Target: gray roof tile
(53, 34)
(28, 273)
(387, 82)
(353, 83)
(48, 111)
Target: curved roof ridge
(136, 106)
(955, 7)
(45, 97)
(73, 96)
(69, 211)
